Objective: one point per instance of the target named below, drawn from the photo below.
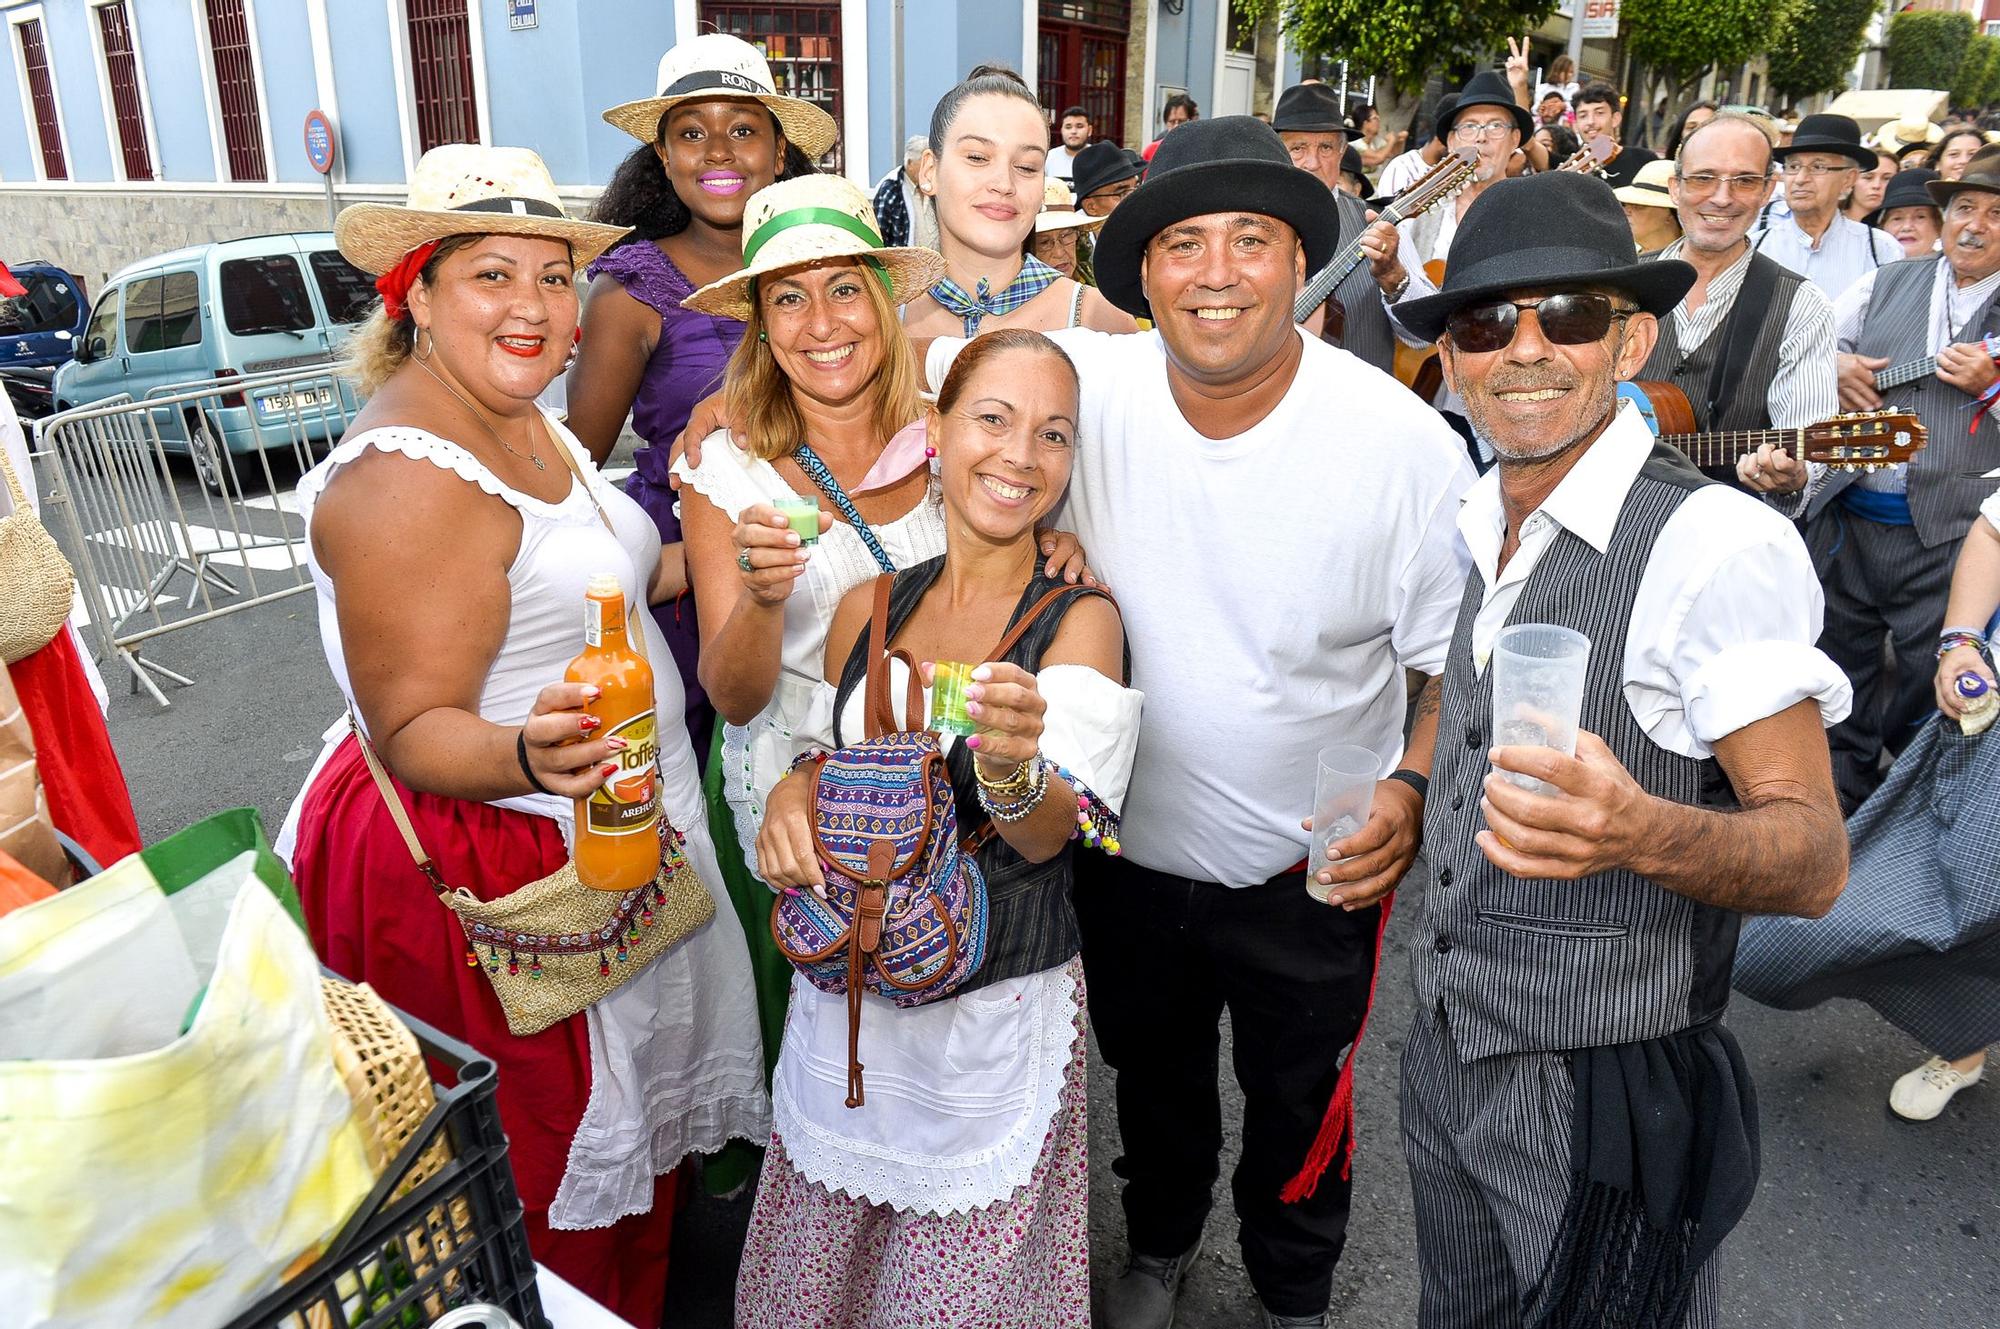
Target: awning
(1873, 108)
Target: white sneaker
(1922, 1094)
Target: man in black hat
(1818, 241)
(1886, 541)
(1103, 174)
(1355, 316)
(1580, 1127)
(1278, 520)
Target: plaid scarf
(1034, 278)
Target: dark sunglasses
(1572, 318)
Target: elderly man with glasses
(1817, 241)
(1752, 344)
(1579, 1124)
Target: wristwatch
(1393, 297)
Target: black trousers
(1163, 957)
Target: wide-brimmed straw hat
(1649, 186)
(467, 189)
(715, 64)
(1059, 210)
(813, 219)
(1505, 243)
(1897, 137)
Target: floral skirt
(816, 1259)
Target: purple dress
(687, 365)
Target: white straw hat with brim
(1059, 211)
(1896, 137)
(815, 219)
(1649, 186)
(715, 64)
(467, 189)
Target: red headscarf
(395, 284)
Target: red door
(1081, 61)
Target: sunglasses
(1572, 318)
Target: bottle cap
(604, 583)
(1970, 685)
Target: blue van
(222, 310)
(39, 330)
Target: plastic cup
(803, 514)
(1342, 796)
(949, 680)
(1538, 671)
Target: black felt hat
(1232, 163)
(1505, 243)
(1829, 133)
(1309, 108)
(1906, 190)
(1350, 164)
(1102, 163)
(1485, 88)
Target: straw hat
(715, 64)
(467, 189)
(1896, 137)
(1649, 186)
(810, 219)
(1059, 211)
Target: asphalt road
(1860, 1219)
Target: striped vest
(1366, 333)
(1542, 966)
(1748, 407)
(1945, 479)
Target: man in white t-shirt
(1278, 521)
(1075, 131)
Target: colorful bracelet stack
(1015, 795)
(1953, 638)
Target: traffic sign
(319, 140)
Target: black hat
(1309, 108)
(1906, 190)
(1102, 163)
(1232, 163)
(1506, 244)
(1486, 88)
(1350, 164)
(1829, 133)
(1982, 172)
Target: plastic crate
(456, 1238)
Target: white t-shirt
(1273, 585)
(1061, 161)
(1403, 170)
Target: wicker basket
(378, 1058)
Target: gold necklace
(540, 465)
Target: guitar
(1443, 181)
(1590, 159)
(1895, 376)
(1864, 441)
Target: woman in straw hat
(1059, 231)
(981, 178)
(450, 537)
(956, 1193)
(717, 133)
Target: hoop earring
(417, 351)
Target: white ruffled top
(960, 1092)
(757, 755)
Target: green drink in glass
(949, 680)
(803, 514)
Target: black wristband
(1415, 780)
(521, 755)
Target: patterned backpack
(905, 913)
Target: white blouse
(960, 1092)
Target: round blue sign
(319, 141)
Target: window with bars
(441, 73)
(121, 68)
(236, 89)
(42, 94)
(1080, 60)
(802, 42)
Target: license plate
(283, 403)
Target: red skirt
(374, 919)
(80, 773)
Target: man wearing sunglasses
(1567, 1081)
(1819, 242)
(1752, 343)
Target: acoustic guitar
(1441, 182)
(1860, 441)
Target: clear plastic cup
(1342, 796)
(1538, 672)
(803, 514)
(949, 680)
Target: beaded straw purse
(38, 580)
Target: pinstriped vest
(1543, 966)
(1945, 484)
(1366, 332)
(1748, 407)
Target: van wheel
(206, 453)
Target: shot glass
(1538, 691)
(949, 680)
(803, 514)
(1342, 797)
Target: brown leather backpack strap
(916, 716)
(1036, 610)
(875, 700)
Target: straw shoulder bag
(38, 580)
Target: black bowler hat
(1231, 163)
(1102, 163)
(1309, 108)
(1505, 243)
(1906, 190)
(1485, 88)
(1829, 133)
(1350, 164)
(1982, 172)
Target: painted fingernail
(616, 744)
(592, 691)
(588, 723)
(972, 708)
(975, 692)
(791, 537)
(983, 674)
(972, 742)
(608, 768)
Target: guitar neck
(1907, 372)
(1333, 274)
(1723, 448)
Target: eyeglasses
(1483, 130)
(1571, 318)
(1820, 170)
(1707, 182)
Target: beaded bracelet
(1951, 641)
(1012, 785)
(809, 755)
(1007, 810)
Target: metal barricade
(136, 524)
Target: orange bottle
(617, 844)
